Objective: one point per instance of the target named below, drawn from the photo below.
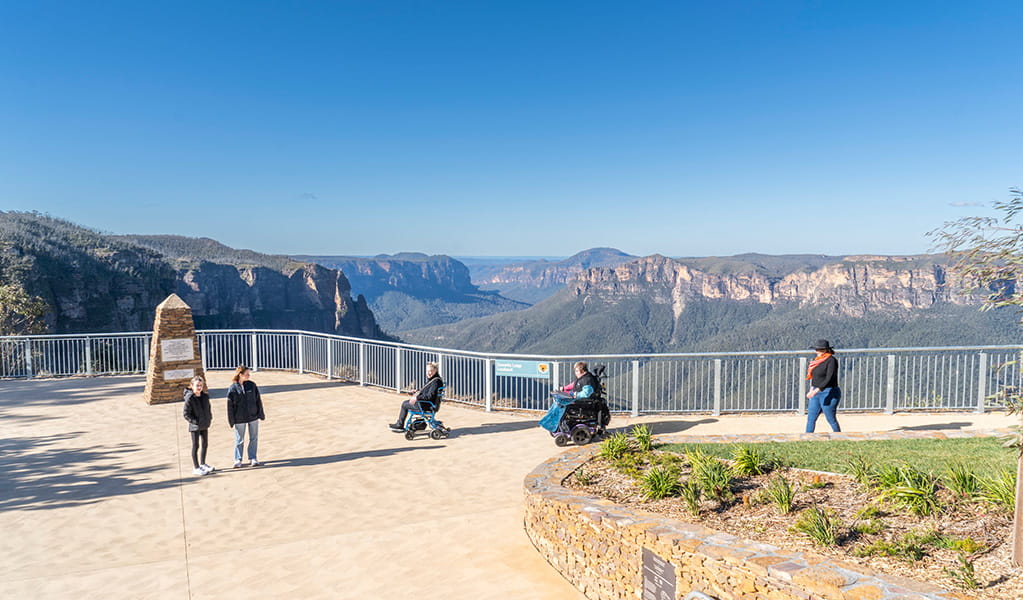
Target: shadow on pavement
(297, 387)
(495, 428)
(335, 458)
(673, 426)
(936, 426)
(36, 476)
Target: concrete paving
(98, 500)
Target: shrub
(1000, 490)
(583, 477)
(781, 494)
(644, 439)
(690, 493)
(910, 489)
(911, 546)
(615, 446)
(962, 481)
(714, 479)
(963, 574)
(750, 460)
(660, 482)
(819, 525)
(861, 468)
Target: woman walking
(244, 412)
(199, 416)
(824, 394)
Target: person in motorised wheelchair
(579, 410)
(420, 411)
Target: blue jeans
(825, 401)
(239, 439)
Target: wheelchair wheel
(581, 435)
(410, 434)
(561, 440)
(437, 434)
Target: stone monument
(174, 356)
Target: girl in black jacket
(199, 416)
(244, 412)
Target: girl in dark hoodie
(244, 411)
(199, 416)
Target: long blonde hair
(241, 370)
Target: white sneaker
(238, 464)
(198, 471)
(207, 468)
(254, 463)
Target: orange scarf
(821, 357)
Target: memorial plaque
(658, 577)
(178, 374)
(177, 350)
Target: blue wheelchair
(426, 416)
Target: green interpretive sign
(522, 368)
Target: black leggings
(203, 435)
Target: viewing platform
(98, 500)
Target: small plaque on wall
(178, 374)
(658, 577)
(177, 350)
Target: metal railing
(888, 380)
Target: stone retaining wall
(598, 545)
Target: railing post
(88, 356)
(889, 403)
(982, 383)
(802, 386)
(717, 387)
(635, 388)
(397, 368)
(202, 352)
(330, 359)
(488, 384)
(362, 363)
(28, 358)
(255, 352)
(441, 366)
(301, 354)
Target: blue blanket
(552, 419)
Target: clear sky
(516, 127)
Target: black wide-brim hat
(821, 345)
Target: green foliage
(583, 477)
(781, 493)
(616, 446)
(911, 546)
(820, 525)
(714, 479)
(751, 460)
(660, 482)
(909, 488)
(643, 437)
(1000, 490)
(20, 313)
(861, 468)
(690, 493)
(961, 480)
(963, 573)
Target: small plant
(615, 446)
(911, 546)
(1000, 490)
(750, 460)
(781, 493)
(660, 482)
(869, 527)
(644, 439)
(888, 476)
(696, 457)
(690, 493)
(963, 574)
(962, 481)
(819, 525)
(584, 477)
(914, 490)
(714, 479)
(861, 468)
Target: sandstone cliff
(536, 280)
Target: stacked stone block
(171, 364)
(598, 546)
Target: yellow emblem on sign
(542, 367)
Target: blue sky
(513, 128)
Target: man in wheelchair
(426, 399)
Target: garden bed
(959, 541)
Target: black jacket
(431, 391)
(244, 403)
(197, 410)
(825, 375)
(587, 379)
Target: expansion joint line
(181, 495)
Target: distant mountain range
(93, 282)
(412, 290)
(747, 302)
(535, 280)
